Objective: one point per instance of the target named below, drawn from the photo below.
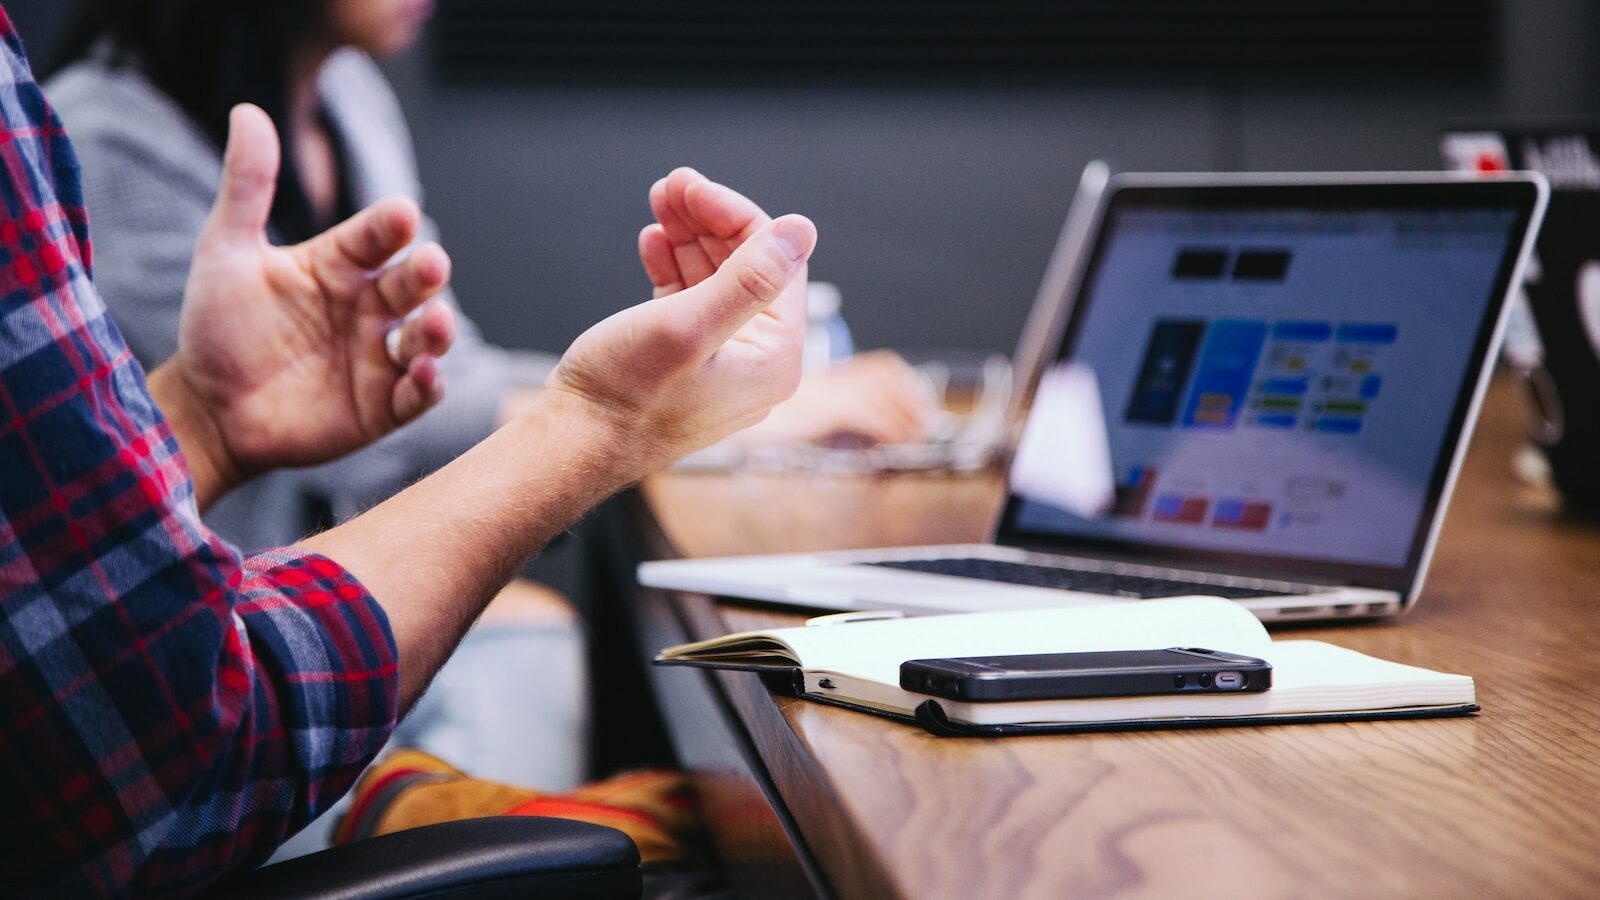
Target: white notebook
(857, 664)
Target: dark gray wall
(937, 206)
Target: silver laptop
(980, 436)
(1281, 372)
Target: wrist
(206, 452)
(514, 402)
(594, 440)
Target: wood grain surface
(1506, 803)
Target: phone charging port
(1230, 681)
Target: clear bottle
(828, 339)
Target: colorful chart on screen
(1279, 382)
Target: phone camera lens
(1180, 681)
(1205, 680)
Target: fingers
(902, 423)
(679, 230)
(692, 260)
(429, 333)
(889, 377)
(722, 211)
(754, 277)
(655, 251)
(875, 415)
(249, 174)
(418, 342)
(880, 427)
(702, 221)
(713, 243)
(873, 396)
(414, 280)
(371, 237)
(417, 390)
(861, 399)
(886, 421)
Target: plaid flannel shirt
(169, 710)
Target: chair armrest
(508, 856)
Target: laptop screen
(1281, 382)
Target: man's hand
(281, 358)
(699, 362)
(699, 224)
(874, 397)
(634, 392)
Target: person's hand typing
(281, 355)
(874, 397)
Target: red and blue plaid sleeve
(169, 710)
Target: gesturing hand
(876, 396)
(699, 362)
(281, 358)
(699, 223)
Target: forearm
(435, 553)
(209, 464)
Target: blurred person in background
(145, 87)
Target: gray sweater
(150, 175)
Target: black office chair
(508, 856)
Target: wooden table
(806, 799)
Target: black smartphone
(1067, 676)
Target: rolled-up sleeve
(170, 709)
(288, 691)
(308, 618)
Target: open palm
(284, 346)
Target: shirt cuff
(334, 657)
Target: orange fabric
(409, 789)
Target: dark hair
(208, 56)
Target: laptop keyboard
(1112, 583)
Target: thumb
(249, 173)
(749, 280)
